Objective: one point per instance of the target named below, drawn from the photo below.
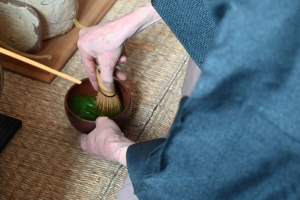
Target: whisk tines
(108, 102)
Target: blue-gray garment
(238, 135)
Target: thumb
(106, 74)
(83, 141)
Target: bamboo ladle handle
(38, 65)
(140, 45)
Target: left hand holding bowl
(106, 141)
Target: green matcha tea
(84, 107)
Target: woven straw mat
(44, 159)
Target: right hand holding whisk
(103, 44)
(99, 46)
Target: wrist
(121, 150)
(137, 21)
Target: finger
(106, 123)
(93, 79)
(106, 72)
(120, 75)
(91, 72)
(122, 59)
(101, 120)
(89, 65)
(83, 142)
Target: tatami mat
(44, 160)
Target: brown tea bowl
(85, 88)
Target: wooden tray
(56, 52)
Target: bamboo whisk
(108, 101)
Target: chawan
(85, 88)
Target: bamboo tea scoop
(39, 65)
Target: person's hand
(106, 141)
(102, 45)
(99, 46)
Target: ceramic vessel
(1, 79)
(85, 88)
(56, 15)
